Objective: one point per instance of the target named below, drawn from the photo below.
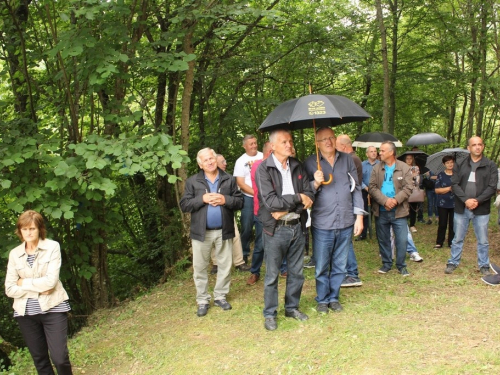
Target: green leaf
(69, 215)
(6, 184)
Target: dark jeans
(258, 249)
(365, 218)
(246, 220)
(46, 333)
(445, 219)
(383, 224)
(352, 263)
(286, 243)
(431, 203)
(413, 214)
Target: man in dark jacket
(474, 182)
(211, 196)
(284, 197)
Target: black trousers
(445, 219)
(46, 333)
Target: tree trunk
(385, 67)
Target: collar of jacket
(399, 164)
(20, 250)
(269, 162)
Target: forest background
(104, 104)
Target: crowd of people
(280, 198)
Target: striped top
(33, 306)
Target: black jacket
(192, 202)
(486, 184)
(270, 185)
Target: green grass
(428, 323)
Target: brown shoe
(253, 279)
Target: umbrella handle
(329, 181)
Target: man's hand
(319, 178)
(278, 215)
(358, 225)
(214, 199)
(306, 201)
(471, 204)
(390, 204)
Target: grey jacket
(486, 184)
(403, 186)
(43, 276)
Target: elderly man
(474, 183)
(367, 167)
(242, 169)
(344, 144)
(284, 197)
(238, 261)
(336, 214)
(211, 197)
(391, 184)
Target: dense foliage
(102, 102)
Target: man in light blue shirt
(368, 164)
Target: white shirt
(243, 166)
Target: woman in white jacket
(40, 301)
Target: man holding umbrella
(284, 197)
(336, 214)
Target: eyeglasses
(332, 139)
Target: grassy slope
(428, 323)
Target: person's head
(267, 149)
(371, 153)
(221, 162)
(387, 152)
(30, 226)
(281, 143)
(448, 161)
(207, 160)
(410, 160)
(250, 145)
(325, 138)
(344, 143)
(475, 147)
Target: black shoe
(491, 279)
(322, 308)
(202, 309)
(404, 272)
(243, 268)
(245, 259)
(450, 267)
(310, 264)
(296, 314)
(213, 271)
(223, 304)
(384, 269)
(494, 268)
(485, 270)
(270, 324)
(335, 306)
(350, 281)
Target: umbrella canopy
(325, 110)
(375, 139)
(423, 139)
(435, 161)
(420, 159)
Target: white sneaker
(413, 229)
(416, 257)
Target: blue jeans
(431, 203)
(246, 221)
(331, 248)
(461, 226)
(287, 243)
(352, 263)
(383, 224)
(258, 249)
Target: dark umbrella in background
(435, 161)
(313, 111)
(420, 159)
(423, 139)
(375, 139)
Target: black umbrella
(423, 139)
(420, 159)
(375, 139)
(435, 161)
(313, 111)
